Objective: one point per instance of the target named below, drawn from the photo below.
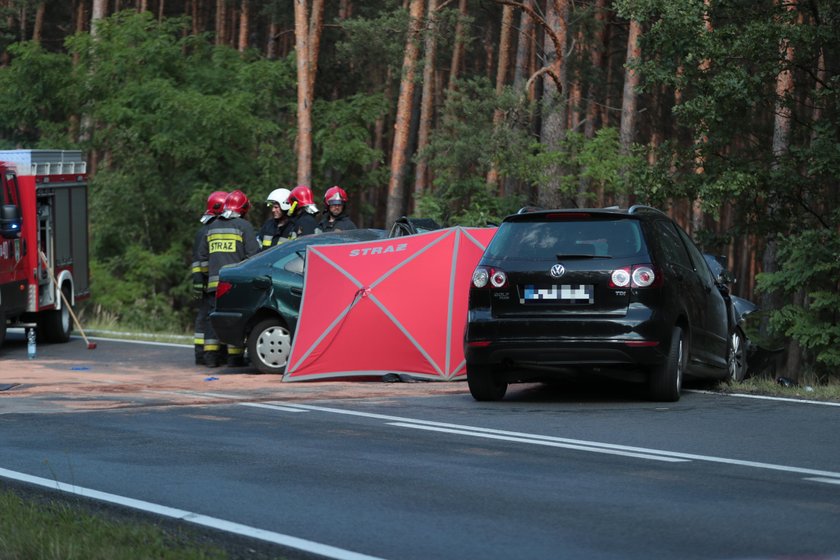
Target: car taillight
(643, 276)
(483, 276)
(636, 276)
(223, 288)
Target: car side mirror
(10, 221)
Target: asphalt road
(419, 470)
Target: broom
(90, 345)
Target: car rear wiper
(581, 256)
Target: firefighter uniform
(199, 274)
(342, 222)
(303, 223)
(226, 241)
(274, 232)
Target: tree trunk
(221, 22)
(458, 49)
(523, 46)
(316, 27)
(628, 99)
(554, 93)
(597, 59)
(402, 125)
(781, 146)
(501, 75)
(39, 22)
(271, 46)
(4, 56)
(100, 11)
(304, 104)
(427, 101)
(699, 160)
(244, 25)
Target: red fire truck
(43, 240)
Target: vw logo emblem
(557, 270)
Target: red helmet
(215, 205)
(237, 202)
(300, 197)
(335, 195)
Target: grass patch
(770, 387)
(130, 334)
(45, 529)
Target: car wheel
(269, 345)
(55, 325)
(485, 384)
(2, 326)
(737, 358)
(665, 382)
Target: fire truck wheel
(56, 325)
(2, 326)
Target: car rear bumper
(637, 339)
(581, 353)
(229, 326)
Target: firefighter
(228, 240)
(215, 205)
(335, 219)
(302, 211)
(275, 229)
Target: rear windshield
(543, 240)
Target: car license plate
(579, 294)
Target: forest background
(723, 113)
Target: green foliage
(595, 162)
(809, 261)
(175, 119)
(343, 146)
(370, 47)
(461, 151)
(35, 89)
(147, 290)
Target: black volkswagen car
(258, 300)
(602, 291)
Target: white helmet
(281, 197)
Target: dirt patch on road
(46, 385)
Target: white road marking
(762, 397)
(826, 480)
(584, 444)
(537, 442)
(190, 517)
(274, 407)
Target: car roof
(533, 214)
(326, 238)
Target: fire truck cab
(43, 240)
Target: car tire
(2, 327)
(485, 384)
(55, 325)
(737, 356)
(269, 345)
(665, 382)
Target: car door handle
(296, 291)
(261, 282)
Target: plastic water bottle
(30, 343)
